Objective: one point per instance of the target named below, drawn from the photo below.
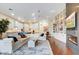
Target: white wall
(60, 36)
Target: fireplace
(73, 39)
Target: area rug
(43, 48)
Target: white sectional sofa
(6, 45)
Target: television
(71, 21)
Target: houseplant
(3, 26)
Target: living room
(29, 28)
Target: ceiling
(31, 10)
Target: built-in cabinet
(59, 22)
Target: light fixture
(12, 14)
(16, 28)
(33, 14)
(10, 9)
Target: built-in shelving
(59, 22)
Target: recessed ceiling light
(12, 14)
(33, 14)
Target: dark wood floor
(58, 47)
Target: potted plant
(3, 26)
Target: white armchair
(6, 45)
(42, 37)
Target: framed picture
(71, 21)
